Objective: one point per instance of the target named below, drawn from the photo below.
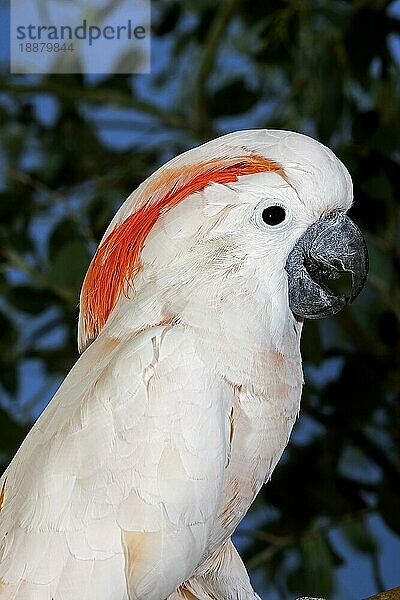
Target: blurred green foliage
(74, 147)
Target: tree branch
(393, 594)
(17, 261)
(277, 543)
(41, 187)
(101, 96)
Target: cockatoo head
(242, 233)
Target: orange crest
(117, 259)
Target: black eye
(273, 215)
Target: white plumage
(133, 479)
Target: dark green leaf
(63, 233)
(29, 299)
(359, 536)
(389, 502)
(235, 97)
(68, 268)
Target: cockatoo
(133, 480)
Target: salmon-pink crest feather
(117, 259)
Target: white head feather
(211, 262)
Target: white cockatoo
(133, 480)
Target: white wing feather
(119, 481)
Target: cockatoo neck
(249, 336)
(248, 345)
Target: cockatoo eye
(273, 215)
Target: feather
(118, 257)
(65, 517)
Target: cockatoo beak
(327, 250)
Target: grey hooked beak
(330, 247)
